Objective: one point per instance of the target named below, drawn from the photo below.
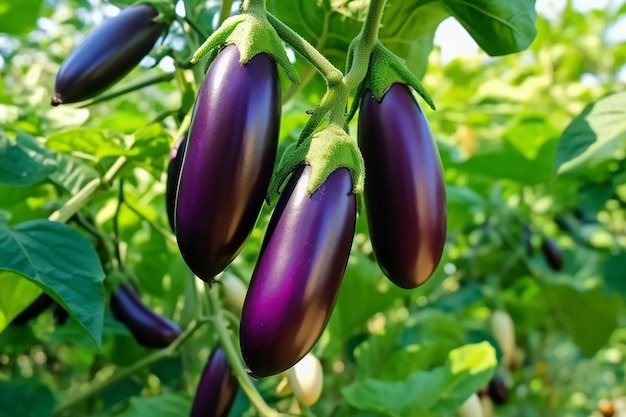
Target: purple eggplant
(107, 54)
(34, 309)
(552, 254)
(404, 193)
(300, 269)
(173, 174)
(228, 163)
(217, 387)
(497, 390)
(149, 329)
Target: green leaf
(17, 294)
(61, 262)
(72, 173)
(441, 390)
(87, 142)
(25, 400)
(591, 326)
(23, 162)
(150, 147)
(168, 405)
(596, 135)
(498, 27)
(19, 18)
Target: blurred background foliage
(513, 132)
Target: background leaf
(63, 263)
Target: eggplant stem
(234, 358)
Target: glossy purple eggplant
(173, 174)
(404, 193)
(552, 254)
(300, 269)
(149, 328)
(107, 54)
(228, 163)
(216, 390)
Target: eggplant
(107, 54)
(552, 254)
(216, 390)
(150, 329)
(228, 163)
(404, 195)
(297, 277)
(34, 309)
(173, 174)
(497, 390)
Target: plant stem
(132, 87)
(364, 45)
(125, 372)
(233, 358)
(225, 10)
(153, 225)
(78, 200)
(248, 5)
(308, 51)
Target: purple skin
(297, 277)
(173, 174)
(405, 195)
(107, 54)
(217, 387)
(149, 329)
(552, 254)
(227, 167)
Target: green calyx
(252, 34)
(165, 8)
(385, 69)
(325, 151)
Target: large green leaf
(61, 262)
(440, 390)
(150, 147)
(408, 26)
(589, 316)
(19, 17)
(23, 162)
(168, 405)
(87, 142)
(596, 135)
(19, 399)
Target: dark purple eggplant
(497, 390)
(107, 54)
(405, 196)
(149, 329)
(173, 174)
(300, 269)
(217, 387)
(552, 254)
(34, 309)
(228, 163)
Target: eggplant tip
(249, 372)
(56, 99)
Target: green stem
(364, 45)
(225, 10)
(78, 200)
(126, 372)
(132, 87)
(193, 43)
(249, 5)
(153, 225)
(308, 51)
(192, 24)
(233, 358)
